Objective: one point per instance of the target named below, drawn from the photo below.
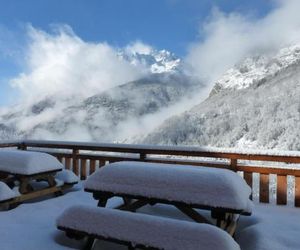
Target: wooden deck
(263, 172)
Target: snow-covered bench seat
(18, 167)
(140, 230)
(186, 187)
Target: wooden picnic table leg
(130, 247)
(102, 198)
(190, 212)
(219, 216)
(126, 201)
(25, 187)
(89, 243)
(51, 181)
(132, 207)
(102, 202)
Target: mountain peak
(154, 61)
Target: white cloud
(138, 47)
(62, 64)
(228, 38)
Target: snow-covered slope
(258, 69)
(101, 117)
(104, 115)
(256, 104)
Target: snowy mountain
(105, 115)
(258, 69)
(155, 61)
(255, 104)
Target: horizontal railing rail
(273, 176)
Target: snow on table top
(189, 184)
(27, 163)
(149, 230)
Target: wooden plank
(215, 164)
(233, 164)
(269, 170)
(281, 190)
(163, 150)
(134, 205)
(83, 169)
(37, 193)
(75, 162)
(297, 191)
(193, 214)
(264, 188)
(92, 166)
(68, 163)
(249, 180)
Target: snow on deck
(270, 228)
(32, 225)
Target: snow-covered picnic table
(20, 168)
(187, 188)
(221, 191)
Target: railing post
(248, 176)
(264, 188)
(281, 190)
(75, 161)
(297, 191)
(143, 156)
(22, 146)
(233, 164)
(83, 169)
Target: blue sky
(169, 24)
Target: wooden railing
(274, 177)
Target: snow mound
(67, 176)
(27, 162)
(6, 193)
(163, 233)
(193, 185)
(270, 227)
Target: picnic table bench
(141, 231)
(21, 169)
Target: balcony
(273, 176)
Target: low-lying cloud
(230, 37)
(62, 64)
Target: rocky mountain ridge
(254, 105)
